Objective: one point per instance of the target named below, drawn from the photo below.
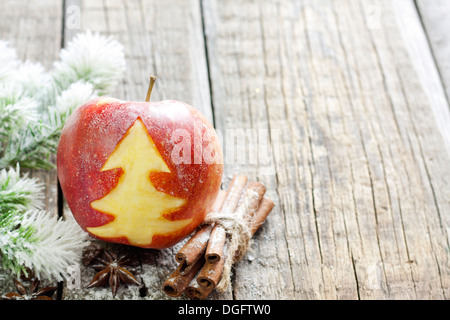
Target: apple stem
(150, 88)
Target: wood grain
(431, 65)
(434, 16)
(361, 169)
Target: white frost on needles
(32, 237)
(74, 96)
(91, 58)
(19, 192)
(34, 105)
(59, 244)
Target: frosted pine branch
(17, 195)
(16, 110)
(91, 58)
(31, 237)
(19, 192)
(39, 241)
(57, 244)
(35, 83)
(91, 65)
(74, 96)
(33, 146)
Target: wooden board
(434, 16)
(430, 65)
(337, 107)
(361, 169)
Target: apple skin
(92, 133)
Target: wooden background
(351, 98)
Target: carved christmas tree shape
(137, 207)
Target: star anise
(33, 292)
(111, 271)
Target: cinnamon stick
(204, 263)
(214, 250)
(251, 199)
(196, 291)
(211, 273)
(217, 205)
(213, 270)
(196, 245)
(193, 250)
(175, 285)
(259, 217)
(237, 185)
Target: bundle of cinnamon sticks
(205, 261)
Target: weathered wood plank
(34, 30)
(361, 171)
(163, 38)
(430, 144)
(435, 18)
(236, 47)
(432, 68)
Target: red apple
(139, 173)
